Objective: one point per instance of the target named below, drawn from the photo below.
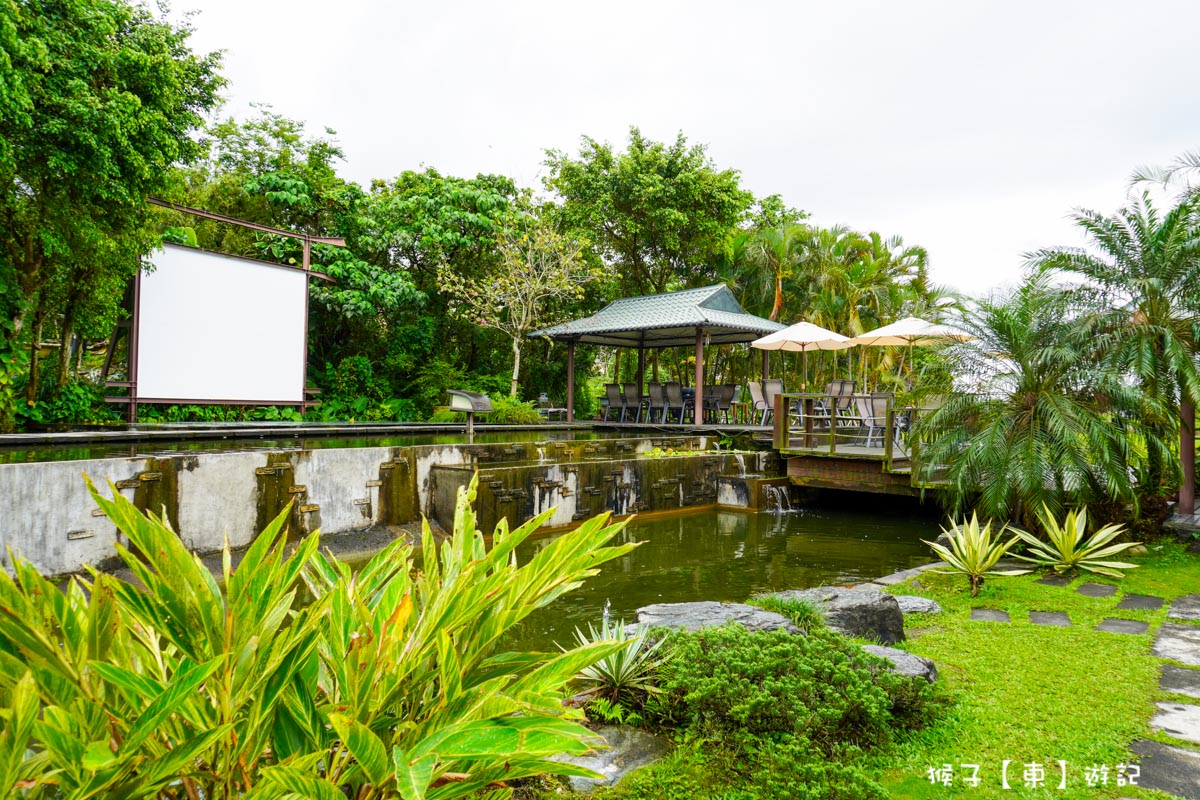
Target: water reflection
(728, 556)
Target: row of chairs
(663, 401)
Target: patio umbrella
(910, 331)
(800, 338)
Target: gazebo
(711, 315)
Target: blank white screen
(220, 329)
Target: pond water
(730, 555)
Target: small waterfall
(541, 455)
(778, 499)
(741, 461)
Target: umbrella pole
(804, 361)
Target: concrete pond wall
(48, 517)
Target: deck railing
(851, 426)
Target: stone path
(1097, 590)
(1164, 767)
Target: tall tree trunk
(64, 350)
(516, 344)
(34, 376)
(778, 306)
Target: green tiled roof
(666, 320)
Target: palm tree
(1037, 418)
(1141, 280)
(773, 252)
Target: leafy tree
(1140, 279)
(538, 267)
(98, 99)
(1037, 419)
(660, 215)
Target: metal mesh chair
(658, 402)
(674, 392)
(616, 403)
(633, 400)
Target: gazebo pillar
(571, 381)
(641, 375)
(766, 364)
(699, 414)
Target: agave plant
(974, 551)
(1069, 549)
(626, 674)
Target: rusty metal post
(1187, 451)
(699, 412)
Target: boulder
(628, 748)
(905, 663)
(710, 614)
(911, 604)
(868, 613)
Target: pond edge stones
(866, 613)
(710, 614)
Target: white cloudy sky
(972, 128)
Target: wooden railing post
(781, 420)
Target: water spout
(778, 499)
(741, 460)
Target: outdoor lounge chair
(872, 413)
(674, 392)
(771, 388)
(724, 401)
(758, 405)
(616, 403)
(633, 400)
(656, 411)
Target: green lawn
(1034, 694)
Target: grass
(803, 614)
(1034, 694)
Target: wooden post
(780, 422)
(766, 364)
(1187, 450)
(641, 378)
(571, 381)
(699, 412)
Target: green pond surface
(729, 556)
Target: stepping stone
(1181, 720)
(989, 615)
(1186, 607)
(1180, 680)
(911, 604)
(1179, 643)
(1117, 625)
(1168, 769)
(1053, 619)
(1140, 602)
(1097, 590)
(1054, 580)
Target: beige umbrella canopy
(909, 331)
(800, 338)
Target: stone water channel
(716, 525)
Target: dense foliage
(99, 99)
(789, 715)
(388, 682)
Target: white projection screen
(213, 328)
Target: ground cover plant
(1034, 694)
(771, 715)
(388, 683)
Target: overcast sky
(971, 128)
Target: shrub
(390, 681)
(626, 676)
(974, 551)
(508, 411)
(795, 709)
(1067, 551)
